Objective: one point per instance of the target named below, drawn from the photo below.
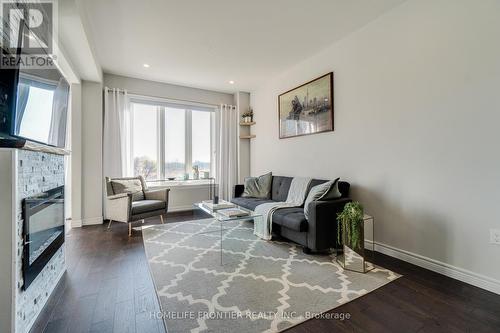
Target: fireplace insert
(43, 231)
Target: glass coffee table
(218, 214)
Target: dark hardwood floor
(108, 288)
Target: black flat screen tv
(41, 106)
(34, 105)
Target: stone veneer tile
(37, 172)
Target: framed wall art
(307, 109)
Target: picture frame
(307, 109)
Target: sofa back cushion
(344, 189)
(280, 187)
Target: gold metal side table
(356, 259)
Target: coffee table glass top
(221, 217)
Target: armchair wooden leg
(109, 224)
(130, 229)
(161, 218)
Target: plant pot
(350, 255)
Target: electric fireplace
(43, 231)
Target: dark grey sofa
(319, 233)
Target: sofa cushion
(315, 182)
(344, 189)
(133, 186)
(280, 188)
(258, 187)
(291, 218)
(145, 206)
(333, 192)
(343, 186)
(324, 191)
(249, 203)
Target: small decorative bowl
(171, 178)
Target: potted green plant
(247, 116)
(350, 222)
(244, 117)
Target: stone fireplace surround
(31, 172)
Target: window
(175, 142)
(168, 140)
(145, 141)
(201, 140)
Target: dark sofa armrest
(322, 229)
(238, 190)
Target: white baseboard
(68, 225)
(454, 272)
(89, 221)
(76, 223)
(93, 221)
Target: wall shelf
(247, 124)
(247, 136)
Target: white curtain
(23, 93)
(227, 150)
(57, 132)
(116, 138)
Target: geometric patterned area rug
(262, 286)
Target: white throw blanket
(262, 226)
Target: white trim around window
(174, 103)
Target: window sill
(191, 183)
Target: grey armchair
(129, 200)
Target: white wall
(76, 154)
(243, 103)
(417, 108)
(183, 197)
(7, 241)
(91, 154)
(165, 90)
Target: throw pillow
(333, 192)
(258, 187)
(133, 186)
(325, 191)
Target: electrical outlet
(495, 236)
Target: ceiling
(206, 44)
(73, 37)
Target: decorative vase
(196, 172)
